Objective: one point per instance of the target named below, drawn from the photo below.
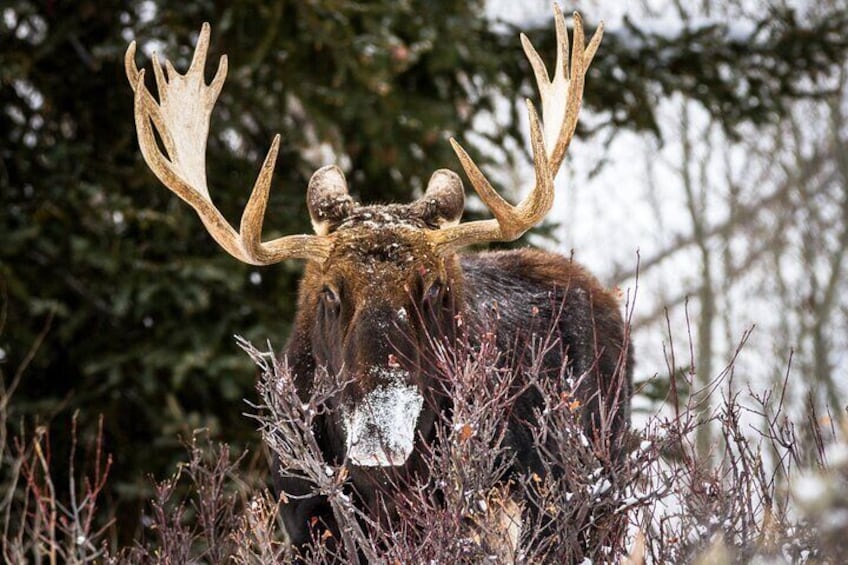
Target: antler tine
(181, 119)
(511, 221)
(561, 98)
(129, 65)
(254, 212)
(294, 246)
(562, 95)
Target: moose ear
(327, 199)
(443, 201)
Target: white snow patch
(600, 487)
(835, 520)
(836, 455)
(380, 429)
(810, 490)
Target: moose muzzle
(380, 427)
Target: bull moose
(377, 272)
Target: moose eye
(330, 298)
(433, 292)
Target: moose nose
(380, 427)
(380, 414)
(379, 338)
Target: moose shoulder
(382, 280)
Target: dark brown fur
(382, 265)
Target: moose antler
(561, 98)
(181, 119)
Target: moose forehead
(382, 244)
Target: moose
(380, 279)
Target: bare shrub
(645, 496)
(42, 520)
(205, 513)
(467, 503)
(39, 524)
(742, 503)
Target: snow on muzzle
(380, 428)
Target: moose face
(382, 293)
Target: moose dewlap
(385, 289)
